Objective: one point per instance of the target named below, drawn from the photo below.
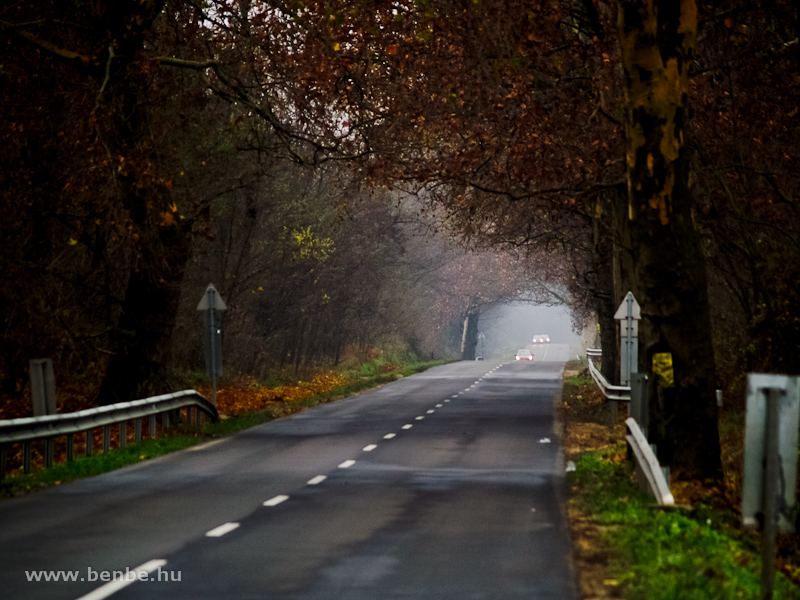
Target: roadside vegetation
(626, 547)
(242, 403)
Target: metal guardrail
(619, 393)
(47, 428)
(647, 463)
(651, 474)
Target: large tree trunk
(149, 308)
(658, 39)
(142, 336)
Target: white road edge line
(347, 464)
(206, 445)
(112, 587)
(222, 530)
(317, 480)
(370, 448)
(276, 500)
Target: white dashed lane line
(228, 527)
(276, 500)
(112, 587)
(222, 530)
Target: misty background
(511, 326)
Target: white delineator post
(628, 314)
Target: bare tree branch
(67, 55)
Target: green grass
(667, 554)
(186, 436)
(86, 466)
(583, 378)
(580, 380)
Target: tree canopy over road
(295, 151)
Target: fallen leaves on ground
(246, 396)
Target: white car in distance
(524, 354)
(541, 338)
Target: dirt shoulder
(585, 425)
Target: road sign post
(212, 304)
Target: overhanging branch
(74, 58)
(195, 65)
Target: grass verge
(184, 436)
(660, 554)
(628, 548)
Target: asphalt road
(445, 485)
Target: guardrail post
(613, 416)
(70, 447)
(89, 442)
(152, 426)
(49, 451)
(123, 434)
(26, 456)
(165, 419)
(3, 461)
(137, 430)
(106, 438)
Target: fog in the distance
(512, 326)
